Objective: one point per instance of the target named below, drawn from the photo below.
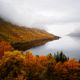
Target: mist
(57, 16)
(75, 33)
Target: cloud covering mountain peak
(41, 13)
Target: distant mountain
(75, 34)
(23, 38)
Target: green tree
(60, 56)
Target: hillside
(23, 38)
(75, 34)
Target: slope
(23, 37)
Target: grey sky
(42, 13)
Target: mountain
(76, 34)
(23, 38)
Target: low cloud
(29, 12)
(75, 33)
(42, 13)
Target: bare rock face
(23, 38)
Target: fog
(60, 17)
(75, 33)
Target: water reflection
(69, 45)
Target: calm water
(69, 45)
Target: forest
(17, 65)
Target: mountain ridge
(17, 36)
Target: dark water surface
(69, 45)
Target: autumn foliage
(18, 66)
(4, 46)
(23, 37)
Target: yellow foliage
(18, 66)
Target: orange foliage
(4, 46)
(30, 67)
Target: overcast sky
(57, 16)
